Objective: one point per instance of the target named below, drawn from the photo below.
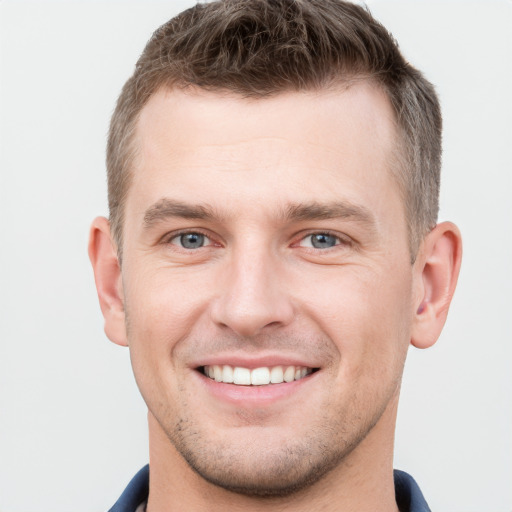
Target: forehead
(311, 145)
(360, 111)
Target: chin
(264, 466)
(269, 475)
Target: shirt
(408, 495)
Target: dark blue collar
(136, 493)
(408, 495)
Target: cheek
(162, 309)
(163, 304)
(366, 313)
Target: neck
(363, 481)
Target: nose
(254, 295)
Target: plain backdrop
(72, 425)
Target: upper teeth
(257, 376)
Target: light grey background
(72, 425)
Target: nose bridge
(253, 295)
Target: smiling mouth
(255, 377)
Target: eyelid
(169, 237)
(341, 238)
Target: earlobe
(107, 275)
(436, 271)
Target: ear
(435, 276)
(107, 274)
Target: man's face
(267, 234)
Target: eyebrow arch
(168, 208)
(333, 210)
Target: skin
(258, 293)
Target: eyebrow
(332, 210)
(166, 208)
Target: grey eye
(192, 240)
(323, 240)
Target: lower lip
(254, 395)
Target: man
(272, 251)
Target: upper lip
(254, 361)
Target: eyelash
(170, 237)
(340, 240)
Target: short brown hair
(258, 48)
